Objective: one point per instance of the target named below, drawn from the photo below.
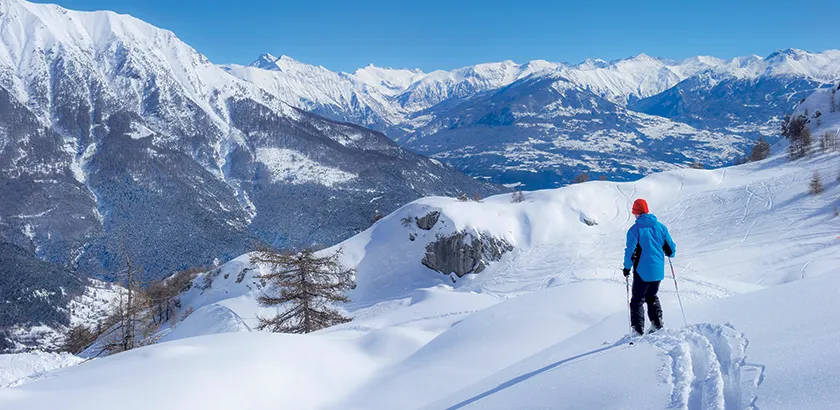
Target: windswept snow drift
(543, 326)
(209, 320)
(19, 368)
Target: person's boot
(654, 310)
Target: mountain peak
(270, 62)
(786, 53)
(642, 57)
(591, 63)
(264, 61)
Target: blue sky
(345, 35)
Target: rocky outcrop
(462, 253)
(428, 222)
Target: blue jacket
(651, 240)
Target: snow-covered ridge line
(619, 80)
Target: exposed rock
(428, 221)
(241, 275)
(588, 220)
(462, 253)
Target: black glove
(626, 272)
(667, 249)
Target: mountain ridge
(722, 104)
(110, 123)
(780, 62)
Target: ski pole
(629, 318)
(674, 275)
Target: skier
(648, 242)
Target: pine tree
(761, 150)
(804, 143)
(816, 186)
(517, 197)
(796, 130)
(303, 286)
(833, 100)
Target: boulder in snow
(428, 222)
(462, 253)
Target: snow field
(542, 328)
(747, 351)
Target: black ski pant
(645, 293)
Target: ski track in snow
(706, 367)
(770, 201)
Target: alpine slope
(544, 326)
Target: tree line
(136, 315)
(304, 287)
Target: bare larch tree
(304, 287)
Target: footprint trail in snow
(706, 367)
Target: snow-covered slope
(541, 327)
(19, 368)
(817, 108)
(747, 351)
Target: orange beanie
(640, 207)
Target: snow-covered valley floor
(758, 262)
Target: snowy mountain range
(542, 123)
(114, 131)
